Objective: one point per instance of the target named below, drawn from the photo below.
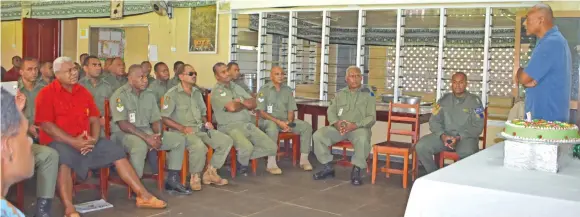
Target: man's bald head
(545, 10)
(539, 20)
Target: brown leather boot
(195, 182)
(211, 177)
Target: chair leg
(185, 167)
(441, 160)
(20, 195)
(278, 150)
(295, 150)
(233, 163)
(415, 166)
(375, 159)
(161, 167)
(405, 170)
(74, 182)
(388, 165)
(254, 166)
(104, 182)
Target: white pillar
(292, 32)
(234, 38)
(360, 42)
(442, 32)
(486, 58)
(399, 42)
(325, 50)
(262, 38)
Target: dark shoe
(327, 171)
(243, 170)
(43, 207)
(355, 178)
(173, 184)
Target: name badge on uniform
(340, 112)
(269, 109)
(132, 117)
(223, 94)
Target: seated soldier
(139, 129)
(117, 76)
(146, 66)
(234, 71)
(456, 123)
(231, 105)
(184, 111)
(96, 85)
(69, 123)
(277, 105)
(161, 84)
(46, 74)
(45, 158)
(351, 115)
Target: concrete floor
(294, 193)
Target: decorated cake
(541, 130)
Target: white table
(480, 186)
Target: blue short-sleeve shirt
(550, 66)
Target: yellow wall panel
(11, 32)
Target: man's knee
(197, 147)
(135, 145)
(47, 155)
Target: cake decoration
(541, 129)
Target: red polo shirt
(70, 111)
(11, 75)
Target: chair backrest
(409, 118)
(484, 137)
(165, 127)
(107, 117)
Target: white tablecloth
(480, 186)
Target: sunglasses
(191, 73)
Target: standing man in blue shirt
(547, 76)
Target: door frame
(519, 16)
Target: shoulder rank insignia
(479, 112)
(261, 94)
(436, 109)
(120, 106)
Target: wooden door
(41, 39)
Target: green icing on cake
(541, 129)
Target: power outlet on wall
(13, 45)
(173, 49)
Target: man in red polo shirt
(14, 73)
(69, 123)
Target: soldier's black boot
(327, 171)
(173, 184)
(355, 178)
(243, 170)
(43, 207)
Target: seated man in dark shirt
(69, 123)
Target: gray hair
(349, 68)
(57, 64)
(9, 114)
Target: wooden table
(318, 108)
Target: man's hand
(84, 143)
(337, 125)
(187, 130)
(33, 131)
(284, 126)
(348, 127)
(20, 100)
(449, 141)
(209, 125)
(154, 141)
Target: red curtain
(41, 39)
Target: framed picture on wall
(203, 29)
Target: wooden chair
(286, 137)
(160, 154)
(451, 155)
(233, 152)
(399, 148)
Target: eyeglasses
(191, 73)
